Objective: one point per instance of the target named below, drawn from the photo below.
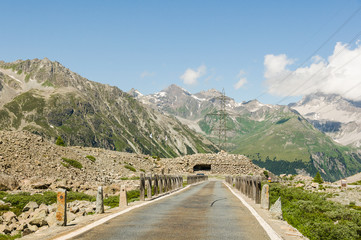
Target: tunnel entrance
(202, 167)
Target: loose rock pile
(30, 163)
(35, 217)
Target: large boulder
(39, 218)
(9, 216)
(30, 206)
(7, 182)
(4, 229)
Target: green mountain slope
(45, 98)
(284, 142)
(273, 136)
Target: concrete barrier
(61, 208)
(265, 197)
(123, 201)
(142, 187)
(100, 201)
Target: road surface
(205, 211)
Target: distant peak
(176, 88)
(135, 93)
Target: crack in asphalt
(217, 201)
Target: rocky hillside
(45, 98)
(273, 136)
(334, 115)
(35, 163)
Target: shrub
(73, 163)
(59, 141)
(318, 178)
(314, 216)
(133, 195)
(131, 168)
(91, 158)
(142, 170)
(72, 196)
(132, 178)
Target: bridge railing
(158, 184)
(196, 178)
(251, 187)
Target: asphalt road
(205, 211)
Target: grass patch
(18, 201)
(356, 183)
(133, 195)
(8, 237)
(91, 158)
(73, 163)
(72, 196)
(131, 168)
(131, 178)
(314, 216)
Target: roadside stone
(9, 216)
(22, 226)
(276, 209)
(71, 217)
(51, 219)
(7, 182)
(4, 229)
(39, 217)
(32, 228)
(15, 232)
(74, 209)
(30, 206)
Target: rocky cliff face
(45, 98)
(334, 115)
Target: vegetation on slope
(314, 216)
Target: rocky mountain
(45, 98)
(273, 136)
(334, 115)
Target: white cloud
(242, 80)
(339, 74)
(147, 74)
(190, 76)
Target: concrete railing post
(170, 183)
(254, 191)
(156, 185)
(142, 187)
(61, 208)
(161, 184)
(265, 197)
(100, 201)
(123, 201)
(148, 183)
(258, 190)
(165, 183)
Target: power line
(313, 75)
(319, 48)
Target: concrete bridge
(203, 210)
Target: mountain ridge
(276, 137)
(46, 98)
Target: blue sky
(198, 45)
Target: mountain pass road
(205, 211)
